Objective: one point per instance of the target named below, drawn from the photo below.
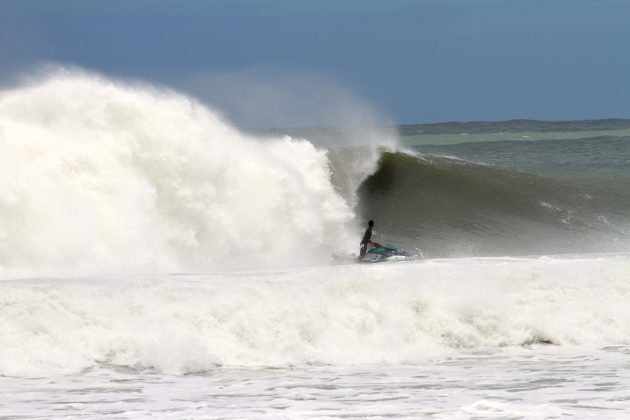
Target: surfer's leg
(363, 251)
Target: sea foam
(387, 314)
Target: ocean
(157, 262)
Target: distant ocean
(157, 262)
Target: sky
(269, 63)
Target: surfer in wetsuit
(367, 239)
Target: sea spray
(98, 175)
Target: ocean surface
(157, 262)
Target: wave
(450, 207)
(98, 175)
(391, 314)
(101, 176)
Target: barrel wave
(102, 176)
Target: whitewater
(157, 262)
(102, 176)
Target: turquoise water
(459, 138)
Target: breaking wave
(98, 175)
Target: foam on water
(98, 175)
(392, 314)
(534, 382)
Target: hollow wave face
(450, 207)
(98, 175)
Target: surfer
(367, 239)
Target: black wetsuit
(365, 241)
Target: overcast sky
(284, 62)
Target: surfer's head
(371, 223)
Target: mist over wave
(99, 175)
